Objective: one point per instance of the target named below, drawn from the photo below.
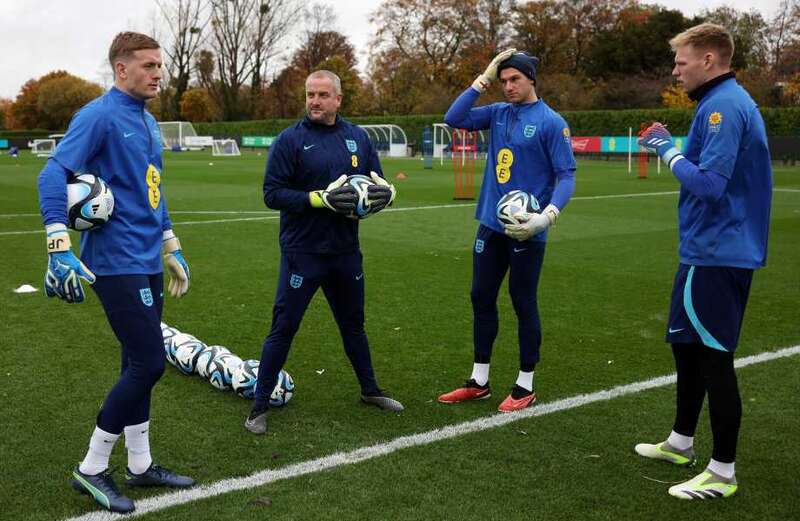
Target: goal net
(174, 134)
(225, 147)
(43, 147)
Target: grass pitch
(604, 297)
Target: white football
(514, 202)
(210, 352)
(90, 202)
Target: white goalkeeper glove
(531, 224)
(64, 269)
(175, 264)
(336, 197)
(483, 81)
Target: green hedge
(411, 125)
(29, 135)
(779, 122)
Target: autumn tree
(186, 21)
(50, 101)
(196, 105)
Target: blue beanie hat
(523, 62)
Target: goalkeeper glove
(381, 194)
(175, 264)
(657, 138)
(64, 269)
(531, 224)
(336, 197)
(483, 81)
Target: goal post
(225, 148)
(43, 147)
(174, 134)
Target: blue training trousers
(133, 305)
(495, 254)
(301, 275)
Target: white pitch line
(274, 215)
(264, 477)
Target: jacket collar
(321, 126)
(698, 93)
(125, 99)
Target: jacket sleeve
(462, 115)
(278, 193)
(84, 137)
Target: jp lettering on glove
(337, 197)
(64, 269)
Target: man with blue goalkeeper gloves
(115, 138)
(530, 150)
(305, 179)
(725, 175)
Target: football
(210, 352)
(171, 346)
(187, 352)
(90, 202)
(283, 390)
(220, 370)
(361, 184)
(244, 379)
(514, 202)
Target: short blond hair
(707, 37)
(128, 42)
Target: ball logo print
(513, 203)
(90, 202)
(361, 183)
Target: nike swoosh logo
(128, 134)
(359, 277)
(676, 330)
(517, 250)
(500, 124)
(308, 147)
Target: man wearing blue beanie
(531, 151)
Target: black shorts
(708, 305)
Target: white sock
(726, 470)
(525, 380)
(100, 446)
(679, 441)
(137, 441)
(480, 373)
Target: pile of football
(223, 369)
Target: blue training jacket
(530, 149)
(728, 137)
(113, 137)
(309, 156)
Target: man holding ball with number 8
(530, 150)
(307, 180)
